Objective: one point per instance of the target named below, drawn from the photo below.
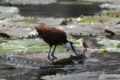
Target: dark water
(58, 10)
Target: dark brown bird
(54, 37)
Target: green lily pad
(113, 14)
(109, 45)
(92, 19)
(30, 45)
(16, 32)
(31, 21)
(30, 2)
(2, 79)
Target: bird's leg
(49, 55)
(53, 53)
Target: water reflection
(59, 9)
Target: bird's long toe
(54, 58)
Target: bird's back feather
(52, 36)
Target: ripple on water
(10, 70)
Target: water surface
(62, 8)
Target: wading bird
(54, 37)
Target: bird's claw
(54, 58)
(77, 54)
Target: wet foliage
(71, 60)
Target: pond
(60, 9)
(28, 65)
(99, 65)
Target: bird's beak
(74, 50)
(70, 46)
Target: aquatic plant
(52, 76)
(18, 32)
(8, 12)
(4, 35)
(113, 5)
(30, 2)
(111, 33)
(101, 0)
(4, 9)
(64, 22)
(29, 45)
(3, 16)
(64, 61)
(108, 45)
(93, 19)
(92, 24)
(31, 21)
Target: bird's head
(70, 46)
(40, 27)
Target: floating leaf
(2, 79)
(27, 2)
(52, 76)
(118, 45)
(111, 33)
(109, 45)
(105, 51)
(4, 35)
(64, 61)
(28, 45)
(94, 20)
(64, 22)
(17, 32)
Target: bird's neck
(67, 45)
